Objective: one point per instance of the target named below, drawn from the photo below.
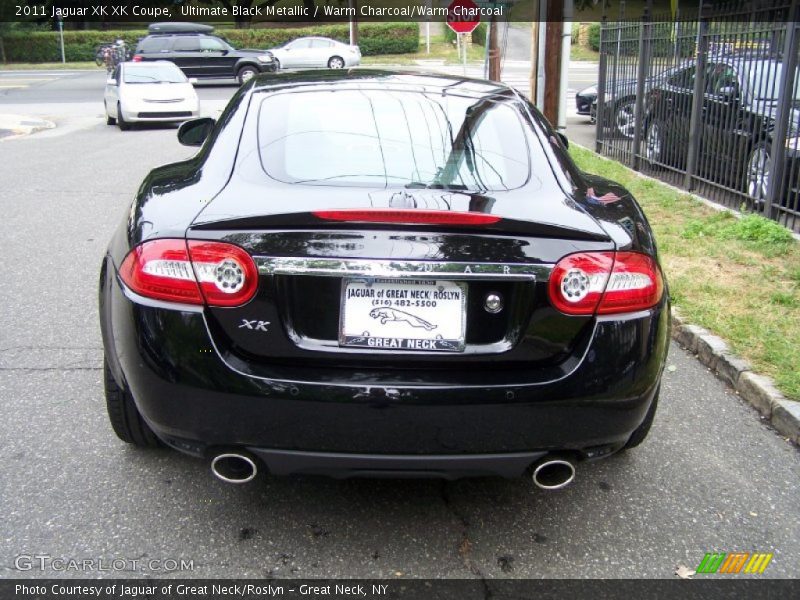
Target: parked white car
(155, 91)
(316, 53)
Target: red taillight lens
(219, 274)
(635, 284)
(161, 270)
(407, 216)
(578, 280)
(227, 274)
(137, 58)
(605, 283)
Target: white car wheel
(336, 62)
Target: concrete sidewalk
(12, 126)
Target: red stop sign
(463, 16)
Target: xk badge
(255, 325)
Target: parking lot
(711, 477)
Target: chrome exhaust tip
(553, 473)
(232, 467)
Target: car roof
(382, 78)
(149, 63)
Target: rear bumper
(443, 466)
(154, 112)
(196, 400)
(162, 118)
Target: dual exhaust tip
(553, 473)
(234, 467)
(550, 473)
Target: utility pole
(353, 23)
(552, 59)
(534, 57)
(60, 22)
(494, 51)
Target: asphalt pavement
(711, 477)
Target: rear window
(393, 139)
(153, 44)
(186, 44)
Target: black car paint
(205, 64)
(580, 384)
(619, 94)
(732, 125)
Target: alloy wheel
(625, 118)
(653, 143)
(758, 173)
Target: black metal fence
(709, 102)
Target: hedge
(43, 46)
(594, 36)
(478, 35)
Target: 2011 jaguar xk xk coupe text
(373, 273)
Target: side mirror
(563, 139)
(111, 81)
(195, 132)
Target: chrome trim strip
(393, 269)
(333, 346)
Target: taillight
(407, 216)
(137, 58)
(605, 283)
(227, 274)
(216, 273)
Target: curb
(759, 391)
(14, 126)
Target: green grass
(50, 66)
(578, 52)
(738, 278)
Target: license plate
(403, 315)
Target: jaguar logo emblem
(392, 314)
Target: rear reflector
(407, 216)
(605, 283)
(196, 272)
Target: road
(711, 477)
(73, 99)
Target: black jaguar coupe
(374, 273)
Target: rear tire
(245, 74)
(654, 143)
(757, 173)
(640, 433)
(109, 119)
(336, 62)
(124, 416)
(625, 117)
(123, 124)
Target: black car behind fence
(709, 101)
